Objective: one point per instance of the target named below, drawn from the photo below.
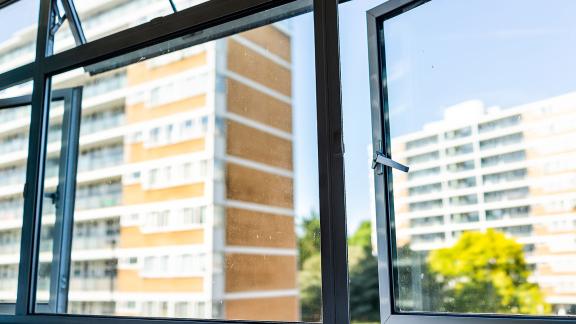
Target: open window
(472, 137)
(59, 186)
(185, 179)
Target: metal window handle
(381, 159)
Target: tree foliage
(309, 263)
(309, 240)
(363, 236)
(310, 280)
(487, 273)
(481, 273)
(416, 283)
(363, 268)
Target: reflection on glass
(485, 116)
(185, 189)
(51, 198)
(14, 132)
(106, 17)
(18, 34)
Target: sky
(16, 16)
(439, 54)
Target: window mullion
(331, 164)
(16, 76)
(29, 246)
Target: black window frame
(201, 17)
(384, 190)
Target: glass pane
(196, 169)
(103, 18)
(18, 34)
(51, 199)
(14, 132)
(483, 113)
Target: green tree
(363, 267)
(309, 238)
(363, 236)
(309, 264)
(310, 281)
(416, 284)
(486, 273)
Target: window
(459, 150)
(460, 166)
(500, 177)
(506, 213)
(167, 215)
(15, 142)
(510, 157)
(423, 173)
(426, 189)
(499, 123)
(458, 133)
(422, 142)
(462, 183)
(427, 221)
(181, 159)
(506, 191)
(508, 194)
(423, 158)
(501, 141)
(469, 217)
(464, 200)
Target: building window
(503, 191)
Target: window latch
(381, 160)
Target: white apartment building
(507, 169)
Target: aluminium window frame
(66, 187)
(384, 190)
(198, 18)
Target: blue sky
(440, 54)
(17, 16)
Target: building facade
(505, 169)
(185, 177)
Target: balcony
(98, 201)
(10, 115)
(93, 284)
(89, 163)
(98, 123)
(9, 284)
(94, 242)
(500, 123)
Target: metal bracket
(74, 22)
(71, 15)
(54, 196)
(58, 19)
(381, 160)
